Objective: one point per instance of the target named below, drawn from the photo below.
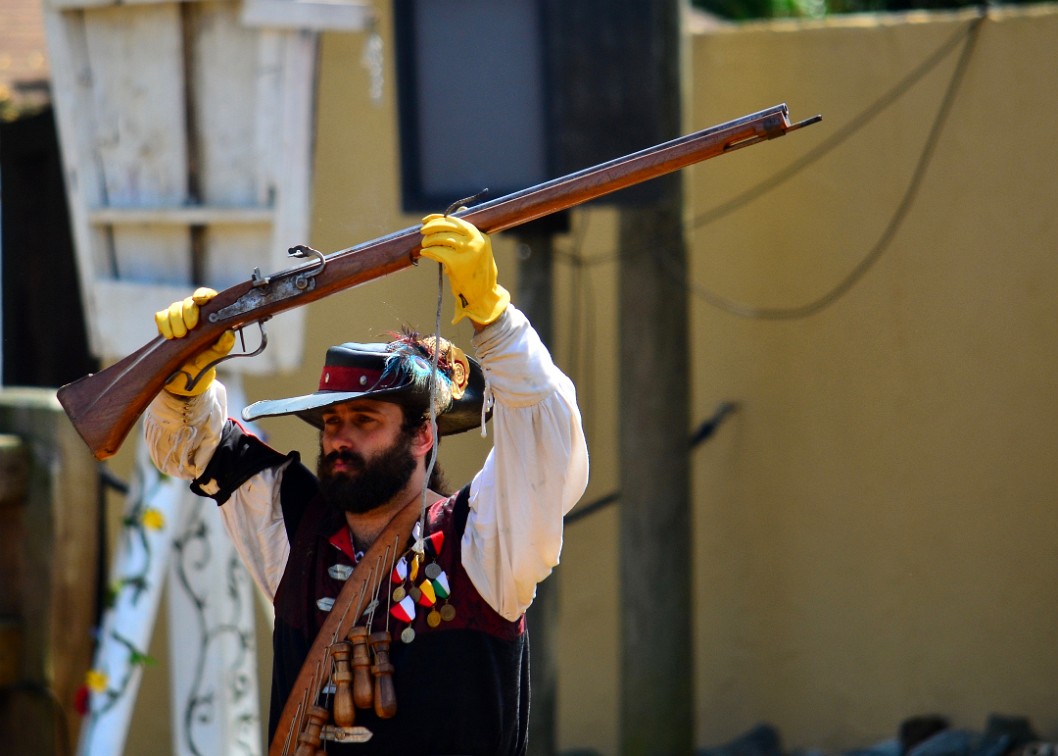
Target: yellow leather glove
(466, 255)
(173, 323)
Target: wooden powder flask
(363, 685)
(385, 694)
(348, 608)
(309, 741)
(344, 712)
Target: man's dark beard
(372, 483)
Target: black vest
(462, 687)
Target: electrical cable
(895, 222)
(841, 136)
(419, 541)
(968, 37)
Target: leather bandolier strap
(357, 590)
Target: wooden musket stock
(104, 406)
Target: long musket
(104, 406)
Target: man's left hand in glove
(466, 255)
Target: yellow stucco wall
(875, 527)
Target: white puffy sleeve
(535, 473)
(183, 432)
(182, 436)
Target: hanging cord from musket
(420, 545)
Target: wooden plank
(141, 140)
(234, 252)
(75, 118)
(224, 104)
(253, 149)
(60, 542)
(337, 15)
(297, 127)
(231, 167)
(69, 5)
(181, 216)
(342, 15)
(150, 254)
(294, 169)
(136, 60)
(267, 130)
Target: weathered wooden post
(49, 518)
(535, 290)
(14, 471)
(657, 657)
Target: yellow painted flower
(97, 681)
(153, 519)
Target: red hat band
(339, 378)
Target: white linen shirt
(534, 474)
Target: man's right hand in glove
(174, 322)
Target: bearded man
(459, 658)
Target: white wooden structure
(186, 129)
(186, 132)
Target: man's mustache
(345, 456)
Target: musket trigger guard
(192, 381)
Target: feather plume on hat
(400, 371)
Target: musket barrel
(104, 406)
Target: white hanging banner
(152, 508)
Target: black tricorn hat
(399, 371)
